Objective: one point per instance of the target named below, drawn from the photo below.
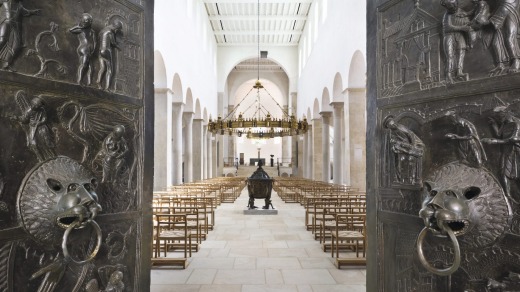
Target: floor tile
(259, 253)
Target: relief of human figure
(458, 37)
(504, 22)
(408, 150)
(11, 14)
(40, 138)
(107, 43)
(112, 154)
(506, 128)
(87, 44)
(470, 148)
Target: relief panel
(72, 154)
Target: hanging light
(262, 125)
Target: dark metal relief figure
(469, 148)
(407, 149)
(107, 43)
(87, 44)
(112, 154)
(11, 39)
(504, 21)
(40, 137)
(457, 38)
(506, 127)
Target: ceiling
(234, 22)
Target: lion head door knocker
(467, 206)
(58, 206)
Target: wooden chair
(171, 232)
(348, 235)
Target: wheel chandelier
(262, 125)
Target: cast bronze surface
(65, 169)
(259, 186)
(443, 97)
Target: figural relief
(470, 149)
(407, 149)
(58, 207)
(410, 59)
(506, 128)
(112, 154)
(112, 278)
(87, 44)
(457, 38)
(33, 118)
(107, 43)
(11, 38)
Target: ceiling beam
(254, 32)
(262, 45)
(255, 17)
(255, 1)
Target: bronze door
(443, 145)
(76, 107)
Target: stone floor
(253, 253)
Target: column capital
(337, 104)
(163, 90)
(188, 114)
(325, 114)
(355, 89)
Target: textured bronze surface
(76, 103)
(444, 122)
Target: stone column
(308, 159)
(177, 143)
(304, 163)
(317, 145)
(286, 145)
(230, 159)
(296, 170)
(217, 151)
(357, 136)
(210, 156)
(337, 157)
(162, 140)
(198, 149)
(204, 151)
(188, 153)
(326, 145)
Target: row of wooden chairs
(335, 214)
(184, 215)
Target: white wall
(228, 57)
(339, 35)
(185, 39)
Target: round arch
(325, 100)
(159, 71)
(198, 111)
(188, 106)
(337, 88)
(316, 109)
(177, 88)
(357, 71)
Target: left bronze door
(76, 107)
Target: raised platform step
(182, 262)
(350, 262)
(261, 212)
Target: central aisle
(253, 253)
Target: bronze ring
(426, 264)
(66, 254)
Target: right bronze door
(443, 145)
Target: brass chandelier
(263, 125)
